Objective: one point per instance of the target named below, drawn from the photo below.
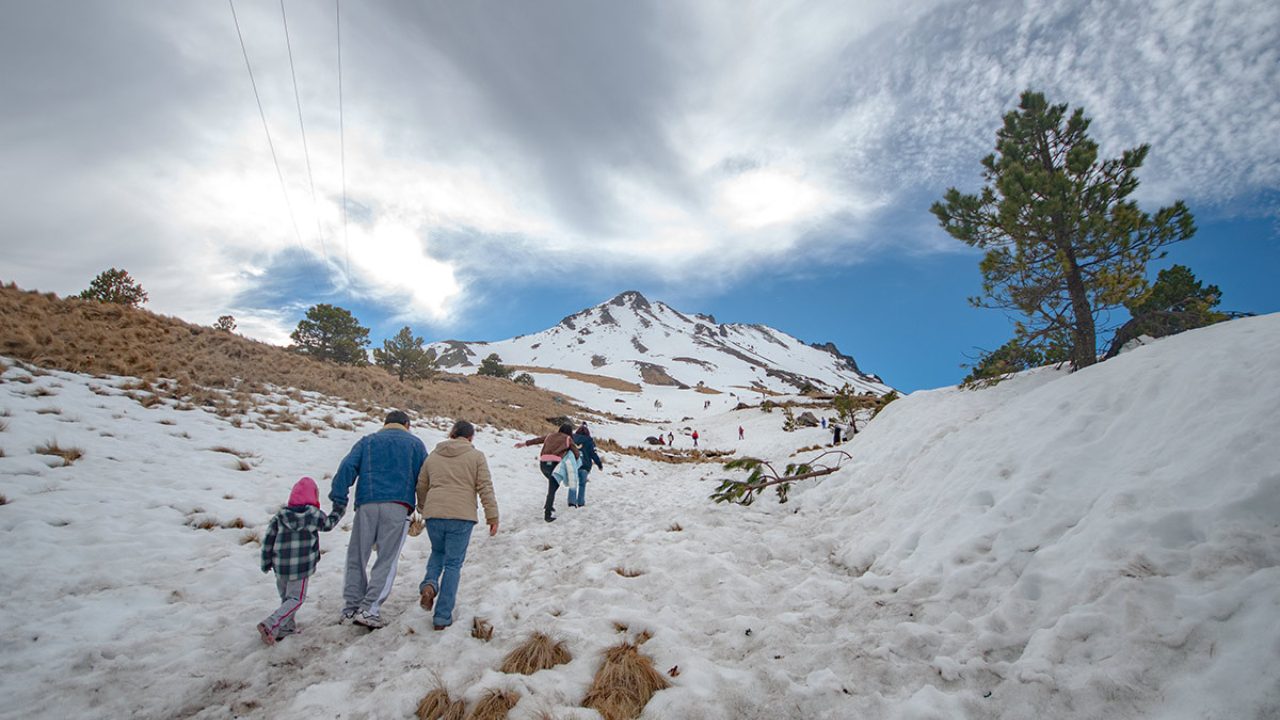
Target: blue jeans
(449, 540)
(579, 497)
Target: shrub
(492, 367)
(226, 323)
(524, 379)
(481, 629)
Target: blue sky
(507, 164)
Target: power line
(305, 152)
(342, 140)
(280, 174)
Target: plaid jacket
(292, 545)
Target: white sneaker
(372, 622)
(346, 617)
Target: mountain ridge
(633, 339)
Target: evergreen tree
(524, 379)
(1064, 244)
(226, 323)
(115, 286)
(1177, 302)
(331, 333)
(404, 357)
(492, 366)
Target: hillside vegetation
(218, 370)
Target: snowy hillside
(1104, 544)
(654, 346)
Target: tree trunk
(1084, 334)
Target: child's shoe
(267, 637)
(346, 617)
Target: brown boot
(428, 599)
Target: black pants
(552, 485)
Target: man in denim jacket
(384, 466)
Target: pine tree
(115, 286)
(331, 333)
(404, 357)
(1064, 245)
(1177, 302)
(492, 366)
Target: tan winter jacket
(451, 478)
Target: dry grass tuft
(494, 705)
(481, 629)
(436, 705)
(627, 572)
(3, 426)
(68, 455)
(3, 500)
(49, 411)
(620, 627)
(539, 652)
(202, 522)
(644, 637)
(42, 392)
(237, 524)
(675, 527)
(229, 451)
(251, 537)
(624, 684)
(243, 466)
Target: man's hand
(493, 529)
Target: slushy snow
(1102, 544)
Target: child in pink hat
(292, 549)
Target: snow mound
(1103, 538)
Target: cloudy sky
(507, 164)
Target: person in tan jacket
(453, 476)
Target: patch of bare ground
(219, 371)
(608, 383)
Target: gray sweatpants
(384, 524)
(292, 594)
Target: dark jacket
(386, 463)
(292, 545)
(588, 447)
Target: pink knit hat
(304, 493)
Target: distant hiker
(554, 447)
(292, 549)
(824, 423)
(695, 438)
(671, 439)
(385, 468)
(454, 475)
(582, 438)
(739, 432)
(835, 434)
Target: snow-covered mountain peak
(633, 339)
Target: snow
(1096, 544)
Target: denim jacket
(387, 465)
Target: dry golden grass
(539, 652)
(68, 455)
(624, 684)
(675, 527)
(220, 371)
(49, 411)
(494, 705)
(436, 705)
(627, 572)
(608, 383)
(708, 391)
(251, 537)
(3, 500)
(481, 629)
